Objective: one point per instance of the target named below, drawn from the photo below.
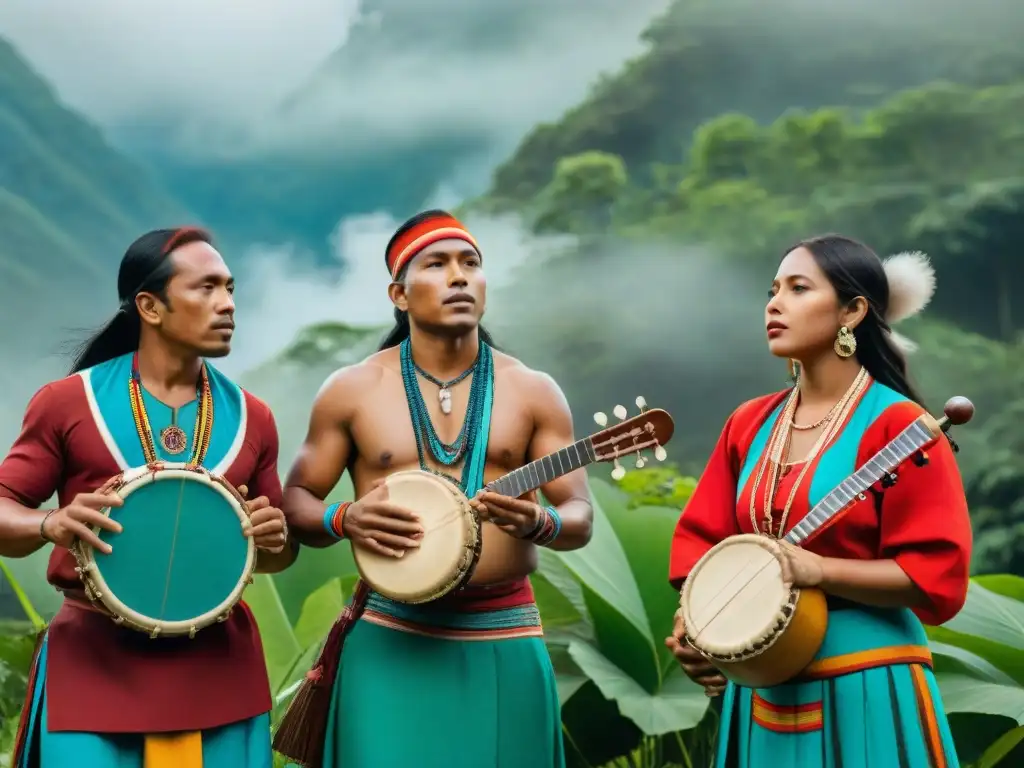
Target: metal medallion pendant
(445, 398)
(173, 439)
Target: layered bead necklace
(447, 454)
(778, 444)
(172, 439)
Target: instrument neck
(853, 488)
(532, 476)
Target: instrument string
(174, 544)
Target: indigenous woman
(894, 562)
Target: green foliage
(581, 195)
(742, 56)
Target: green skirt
(414, 690)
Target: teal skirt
(411, 693)
(869, 700)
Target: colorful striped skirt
(431, 688)
(869, 700)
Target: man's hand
(73, 521)
(376, 524)
(516, 517)
(696, 667)
(269, 530)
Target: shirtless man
(465, 681)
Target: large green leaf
(991, 626)
(23, 600)
(280, 646)
(965, 693)
(315, 567)
(1001, 748)
(30, 573)
(646, 537)
(603, 568)
(679, 705)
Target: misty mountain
(70, 203)
(421, 96)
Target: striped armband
(548, 528)
(334, 516)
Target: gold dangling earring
(846, 343)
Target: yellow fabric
(173, 750)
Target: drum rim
(465, 566)
(746, 650)
(129, 482)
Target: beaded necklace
(448, 454)
(778, 442)
(173, 438)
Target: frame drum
(182, 559)
(741, 616)
(448, 551)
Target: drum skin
(767, 634)
(182, 559)
(448, 551)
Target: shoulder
(886, 413)
(538, 385)
(60, 395)
(257, 409)
(343, 388)
(755, 411)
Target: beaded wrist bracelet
(548, 528)
(334, 516)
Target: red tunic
(102, 678)
(922, 521)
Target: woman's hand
(696, 667)
(801, 568)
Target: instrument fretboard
(532, 476)
(901, 448)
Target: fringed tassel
(23, 738)
(303, 729)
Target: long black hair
(144, 267)
(400, 331)
(855, 270)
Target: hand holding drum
(74, 521)
(696, 667)
(376, 524)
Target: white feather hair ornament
(911, 280)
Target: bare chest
(385, 441)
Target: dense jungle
(634, 235)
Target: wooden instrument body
(182, 560)
(448, 552)
(740, 615)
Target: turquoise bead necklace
(447, 454)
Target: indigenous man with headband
(101, 695)
(464, 681)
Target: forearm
(19, 529)
(879, 583)
(275, 562)
(305, 515)
(577, 517)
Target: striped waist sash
(434, 621)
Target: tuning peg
(660, 453)
(619, 472)
(619, 411)
(641, 403)
(601, 419)
(640, 462)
